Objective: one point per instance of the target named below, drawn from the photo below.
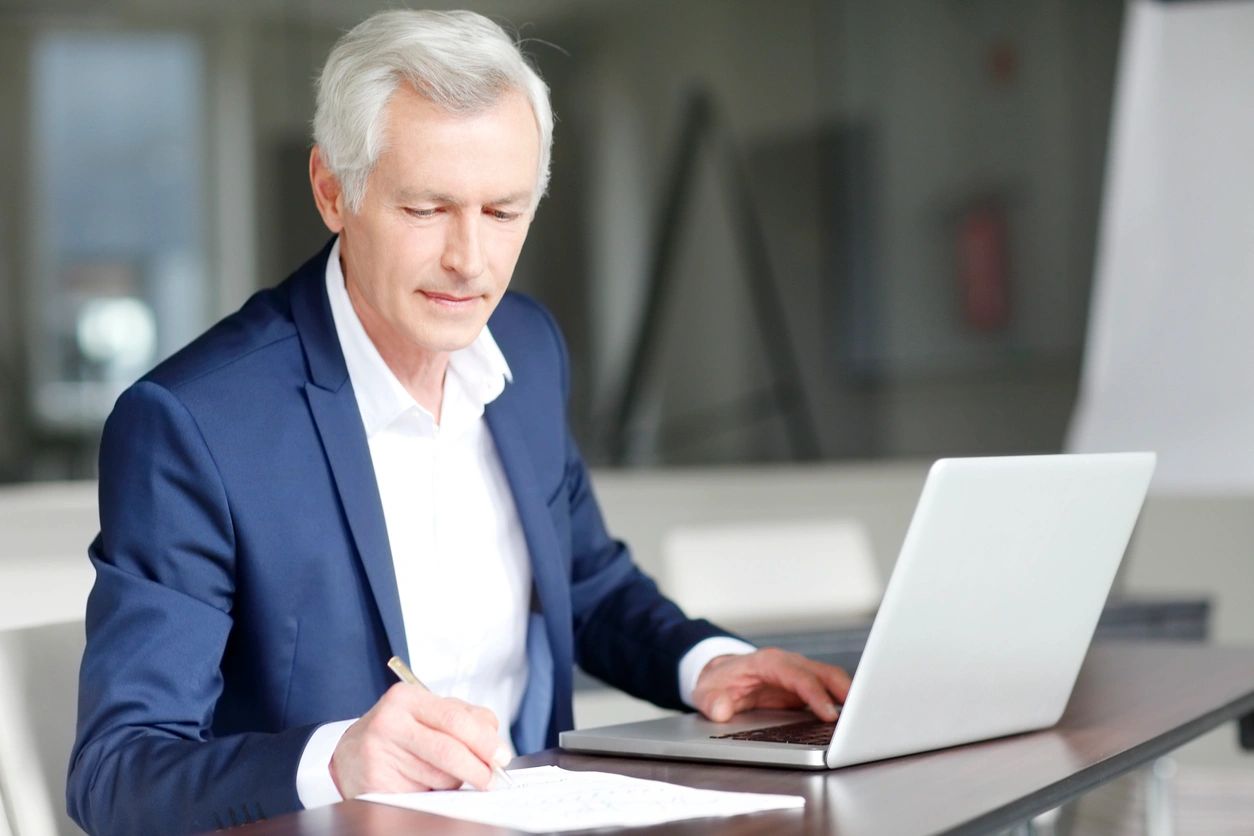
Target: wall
(13, 142)
(864, 272)
(941, 129)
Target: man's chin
(447, 340)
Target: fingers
(412, 740)
(457, 738)
(370, 757)
(722, 709)
(717, 696)
(770, 678)
(444, 762)
(473, 726)
(835, 679)
(811, 690)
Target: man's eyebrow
(427, 196)
(516, 197)
(424, 196)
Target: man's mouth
(447, 298)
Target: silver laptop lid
(993, 601)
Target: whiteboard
(1170, 359)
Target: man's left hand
(769, 678)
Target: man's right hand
(413, 741)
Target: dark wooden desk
(1134, 701)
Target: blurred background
(867, 228)
(799, 250)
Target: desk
(1133, 702)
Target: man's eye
(502, 215)
(421, 213)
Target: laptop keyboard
(804, 733)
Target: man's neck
(422, 377)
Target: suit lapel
(334, 409)
(344, 440)
(542, 545)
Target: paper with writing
(548, 798)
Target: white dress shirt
(454, 534)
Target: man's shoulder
(262, 323)
(526, 330)
(518, 309)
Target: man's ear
(328, 195)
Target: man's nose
(463, 248)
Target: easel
(700, 126)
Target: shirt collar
(480, 367)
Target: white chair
(48, 518)
(45, 577)
(772, 573)
(38, 707)
(43, 590)
(44, 571)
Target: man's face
(446, 211)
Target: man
(372, 459)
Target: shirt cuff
(314, 785)
(699, 656)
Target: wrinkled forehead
(492, 153)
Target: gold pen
(404, 674)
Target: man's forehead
(484, 156)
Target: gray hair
(461, 61)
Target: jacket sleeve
(627, 633)
(158, 617)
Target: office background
(925, 179)
(872, 231)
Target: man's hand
(412, 741)
(769, 678)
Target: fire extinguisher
(984, 267)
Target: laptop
(981, 632)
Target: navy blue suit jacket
(244, 587)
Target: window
(119, 277)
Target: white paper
(548, 798)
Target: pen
(404, 674)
